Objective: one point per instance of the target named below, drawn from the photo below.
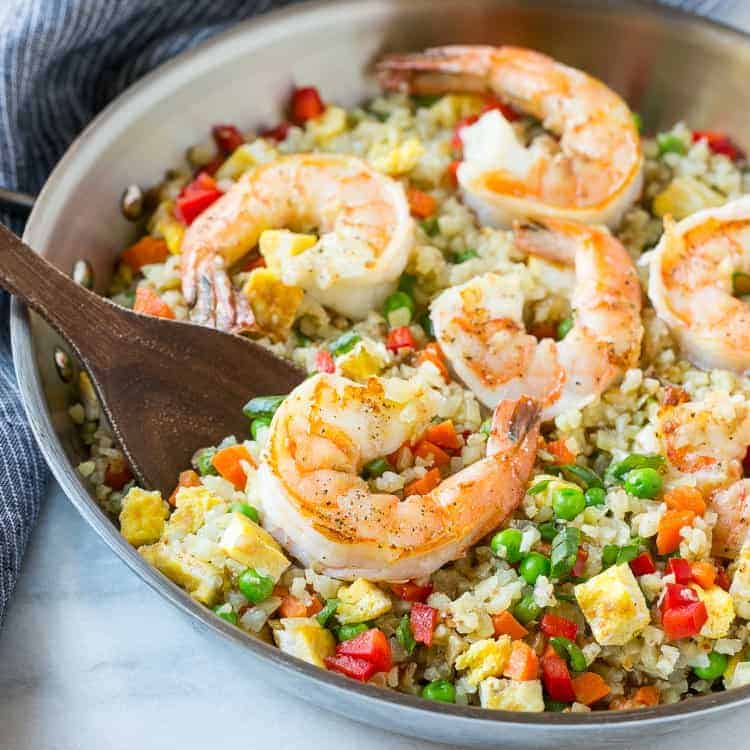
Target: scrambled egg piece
(142, 516)
(251, 545)
(485, 658)
(201, 580)
(364, 361)
(396, 160)
(304, 638)
(274, 303)
(449, 109)
(165, 225)
(361, 601)
(277, 244)
(740, 588)
(720, 608)
(684, 196)
(511, 695)
(614, 605)
(328, 125)
(192, 504)
(245, 157)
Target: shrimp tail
(514, 423)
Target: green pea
(645, 482)
(507, 544)
(568, 502)
(202, 462)
(670, 144)
(440, 690)
(634, 461)
(594, 496)
(397, 301)
(344, 343)
(740, 283)
(564, 327)
(256, 424)
(327, 612)
(538, 487)
(226, 612)
(532, 566)
(569, 651)
(548, 530)
(254, 586)
(486, 427)
(609, 555)
(426, 322)
(405, 636)
(375, 468)
(717, 664)
(465, 255)
(526, 610)
(262, 406)
(430, 226)
(347, 632)
(246, 510)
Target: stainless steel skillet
(668, 65)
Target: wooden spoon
(168, 388)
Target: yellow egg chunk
(328, 125)
(277, 244)
(511, 695)
(192, 505)
(142, 516)
(720, 609)
(361, 601)
(251, 545)
(274, 303)
(304, 638)
(613, 605)
(485, 658)
(684, 196)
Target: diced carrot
(561, 452)
(704, 573)
(523, 663)
(227, 463)
(589, 688)
(421, 204)
(648, 695)
(146, 251)
(685, 498)
(423, 485)
(433, 353)
(315, 606)
(292, 607)
(430, 453)
(148, 302)
(505, 624)
(444, 435)
(187, 479)
(668, 535)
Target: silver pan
(668, 65)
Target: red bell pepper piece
(372, 646)
(196, 198)
(227, 137)
(719, 143)
(642, 564)
(456, 141)
(684, 621)
(554, 625)
(324, 361)
(453, 172)
(279, 133)
(411, 592)
(506, 110)
(400, 338)
(678, 595)
(351, 666)
(680, 568)
(556, 679)
(581, 557)
(423, 619)
(306, 104)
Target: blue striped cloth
(61, 61)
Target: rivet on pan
(63, 365)
(131, 203)
(83, 274)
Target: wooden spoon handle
(67, 306)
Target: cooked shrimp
(362, 219)
(732, 508)
(593, 175)
(479, 324)
(691, 282)
(315, 503)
